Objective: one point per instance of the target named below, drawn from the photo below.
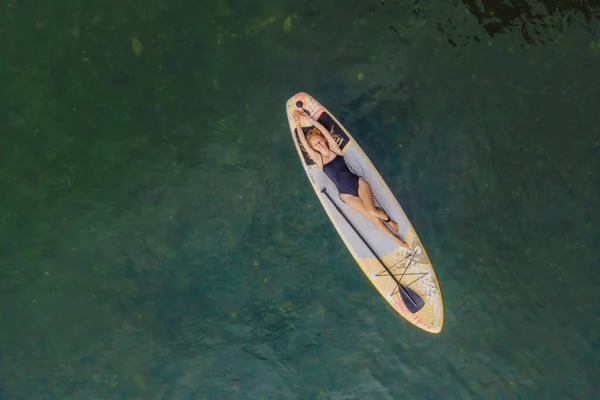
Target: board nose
(300, 96)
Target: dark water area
(160, 240)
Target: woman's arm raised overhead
(312, 154)
(330, 140)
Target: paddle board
(368, 245)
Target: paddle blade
(413, 301)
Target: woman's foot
(394, 225)
(403, 243)
(386, 227)
(384, 217)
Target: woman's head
(315, 139)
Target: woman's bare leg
(357, 205)
(366, 195)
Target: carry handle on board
(412, 300)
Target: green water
(160, 240)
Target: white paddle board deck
(411, 267)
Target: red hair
(312, 132)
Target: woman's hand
(305, 118)
(295, 115)
(300, 113)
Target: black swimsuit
(345, 180)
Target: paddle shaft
(369, 247)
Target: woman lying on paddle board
(354, 190)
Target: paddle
(413, 301)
